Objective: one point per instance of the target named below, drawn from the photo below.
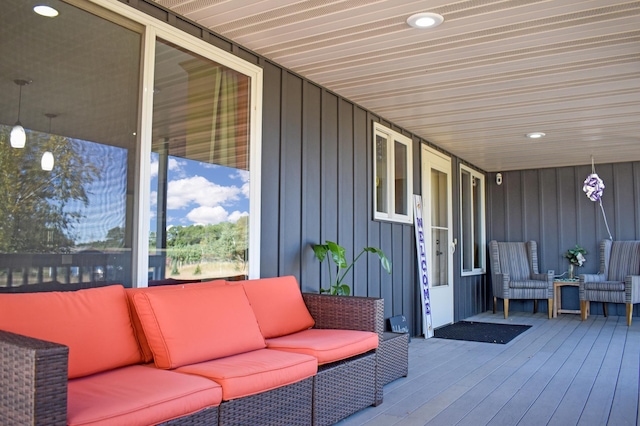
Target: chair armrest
(346, 312)
(548, 276)
(501, 284)
(33, 381)
(632, 289)
(592, 278)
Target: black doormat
(480, 332)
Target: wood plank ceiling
(492, 72)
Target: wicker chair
(618, 280)
(515, 274)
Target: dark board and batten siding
(317, 185)
(549, 206)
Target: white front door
(437, 215)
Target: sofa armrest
(346, 312)
(33, 381)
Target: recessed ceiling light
(45, 10)
(425, 20)
(535, 135)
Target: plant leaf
(320, 251)
(338, 253)
(386, 263)
(344, 290)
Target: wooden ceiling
(492, 72)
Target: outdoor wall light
(18, 136)
(425, 20)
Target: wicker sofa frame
(34, 378)
(346, 387)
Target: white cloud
(176, 165)
(198, 190)
(208, 215)
(153, 198)
(154, 168)
(243, 175)
(233, 217)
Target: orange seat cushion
(196, 323)
(278, 305)
(138, 395)
(95, 324)
(326, 345)
(254, 372)
(137, 326)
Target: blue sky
(197, 193)
(200, 193)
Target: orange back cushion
(94, 324)
(278, 305)
(197, 323)
(137, 326)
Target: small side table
(557, 296)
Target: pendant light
(47, 161)
(18, 136)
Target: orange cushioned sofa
(230, 353)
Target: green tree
(34, 207)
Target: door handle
(454, 243)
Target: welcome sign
(421, 251)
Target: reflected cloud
(199, 190)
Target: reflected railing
(22, 273)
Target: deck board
(559, 372)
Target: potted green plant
(576, 258)
(341, 266)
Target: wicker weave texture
(346, 312)
(343, 388)
(287, 406)
(393, 357)
(33, 381)
(206, 417)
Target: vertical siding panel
(385, 281)
(623, 192)
(361, 206)
(549, 241)
(270, 180)
(409, 281)
(290, 182)
(512, 181)
(311, 200)
(373, 229)
(531, 206)
(345, 183)
(397, 275)
(329, 173)
(567, 193)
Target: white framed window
(472, 221)
(155, 137)
(392, 172)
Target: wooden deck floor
(559, 372)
